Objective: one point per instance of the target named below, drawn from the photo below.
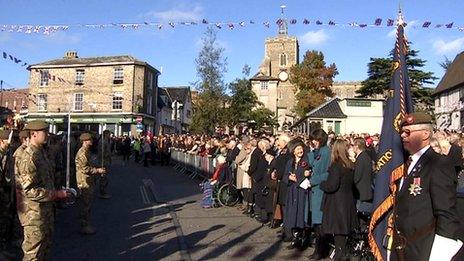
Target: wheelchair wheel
(227, 195)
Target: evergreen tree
(313, 81)
(211, 66)
(380, 73)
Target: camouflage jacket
(34, 184)
(84, 172)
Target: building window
(117, 101)
(264, 85)
(44, 77)
(78, 101)
(283, 59)
(118, 76)
(41, 102)
(80, 73)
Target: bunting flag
(50, 29)
(390, 162)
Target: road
(155, 214)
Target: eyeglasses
(408, 132)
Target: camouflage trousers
(85, 204)
(37, 242)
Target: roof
(180, 93)
(454, 76)
(163, 92)
(91, 61)
(329, 109)
(261, 77)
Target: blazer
(363, 177)
(432, 209)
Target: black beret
(416, 118)
(37, 125)
(85, 136)
(4, 134)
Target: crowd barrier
(192, 164)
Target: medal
(415, 188)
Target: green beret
(416, 118)
(37, 125)
(23, 134)
(85, 136)
(4, 134)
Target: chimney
(70, 55)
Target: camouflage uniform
(104, 158)
(85, 182)
(34, 182)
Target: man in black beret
(426, 223)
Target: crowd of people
(318, 189)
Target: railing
(192, 164)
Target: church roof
(454, 76)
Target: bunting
(378, 22)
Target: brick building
(113, 92)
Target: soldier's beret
(37, 125)
(85, 136)
(23, 134)
(4, 134)
(416, 118)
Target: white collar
(416, 156)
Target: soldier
(36, 194)
(85, 174)
(6, 194)
(104, 156)
(426, 222)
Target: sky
(173, 50)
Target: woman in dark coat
(296, 210)
(258, 170)
(338, 204)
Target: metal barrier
(191, 164)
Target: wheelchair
(225, 192)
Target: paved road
(155, 214)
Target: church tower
(271, 83)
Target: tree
(211, 66)
(244, 105)
(446, 63)
(380, 72)
(313, 81)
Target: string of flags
(378, 22)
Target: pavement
(155, 214)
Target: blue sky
(175, 49)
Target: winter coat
(319, 160)
(338, 204)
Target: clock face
(283, 76)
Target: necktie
(407, 164)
